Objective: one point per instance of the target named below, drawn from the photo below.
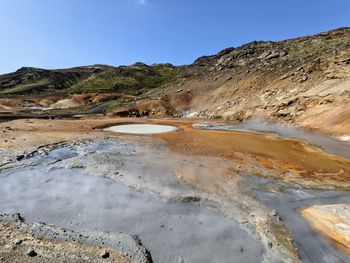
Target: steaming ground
(328, 144)
(183, 203)
(289, 201)
(59, 189)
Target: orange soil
(273, 152)
(332, 221)
(288, 159)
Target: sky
(67, 33)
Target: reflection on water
(328, 144)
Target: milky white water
(141, 128)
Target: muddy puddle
(141, 128)
(64, 189)
(327, 144)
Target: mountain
(305, 81)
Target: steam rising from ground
(64, 189)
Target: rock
(17, 217)
(104, 254)
(43, 152)
(77, 166)
(283, 53)
(283, 77)
(332, 221)
(5, 160)
(179, 90)
(303, 79)
(31, 252)
(189, 199)
(18, 241)
(20, 157)
(269, 244)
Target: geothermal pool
(172, 231)
(327, 144)
(184, 206)
(141, 128)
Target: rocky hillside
(305, 81)
(97, 78)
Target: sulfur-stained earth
(174, 191)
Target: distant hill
(133, 79)
(305, 81)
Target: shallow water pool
(141, 128)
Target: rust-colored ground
(287, 159)
(293, 158)
(332, 221)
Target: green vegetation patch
(102, 83)
(26, 87)
(313, 48)
(130, 80)
(133, 79)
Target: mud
(172, 231)
(266, 155)
(289, 202)
(53, 244)
(141, 128)
(327, 144)
(185, 194)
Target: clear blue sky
(66, 33)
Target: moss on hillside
(133, 79)
(26, 87)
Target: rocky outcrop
(332, 221)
